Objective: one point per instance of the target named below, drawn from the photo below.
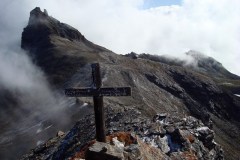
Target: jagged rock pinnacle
(41, 27)
(44, 36)
(45, 12)
(43, 30)
(37, 14)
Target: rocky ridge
(195, 60)
(176, 138)
(199, 63)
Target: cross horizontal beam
(105, 91)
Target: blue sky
(156, 3)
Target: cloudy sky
(151, 26)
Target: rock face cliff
(65, 56)
(56, 46)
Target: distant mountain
(159, 84)
(210, 66)
(201, 63)
(194, 60)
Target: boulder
(100, 151)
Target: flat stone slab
(100, 151)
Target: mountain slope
(201, 63)
(195, 60)
(65, 56)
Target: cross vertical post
(98, 104)
(97, 92)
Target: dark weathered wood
(97, 81)
(105, 91)
(97, 93)
(115, 92)
(99, 118)
(98, 104)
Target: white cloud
(209, 26)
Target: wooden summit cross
(97, 93)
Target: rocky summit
(177, 110)
(134, 136)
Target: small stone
(163, 144)
(170, 129)
(117, 143)
(100, 150)
(60, 134)
(136, 120)
(204, 131)
(159, 117)
(130, 148)
(115, 129)
(104, 149)
(132, 152)
(156, 129)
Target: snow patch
(153, 143)
(202, 129)
(40, 142)
(84, 104)
(104, 79)
(160, 122)
(48, 127)
(150, 141)
(227, 83)
(39, 130)
(163, 144)
(238, 95)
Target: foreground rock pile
(121, 145)
(173, 137)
